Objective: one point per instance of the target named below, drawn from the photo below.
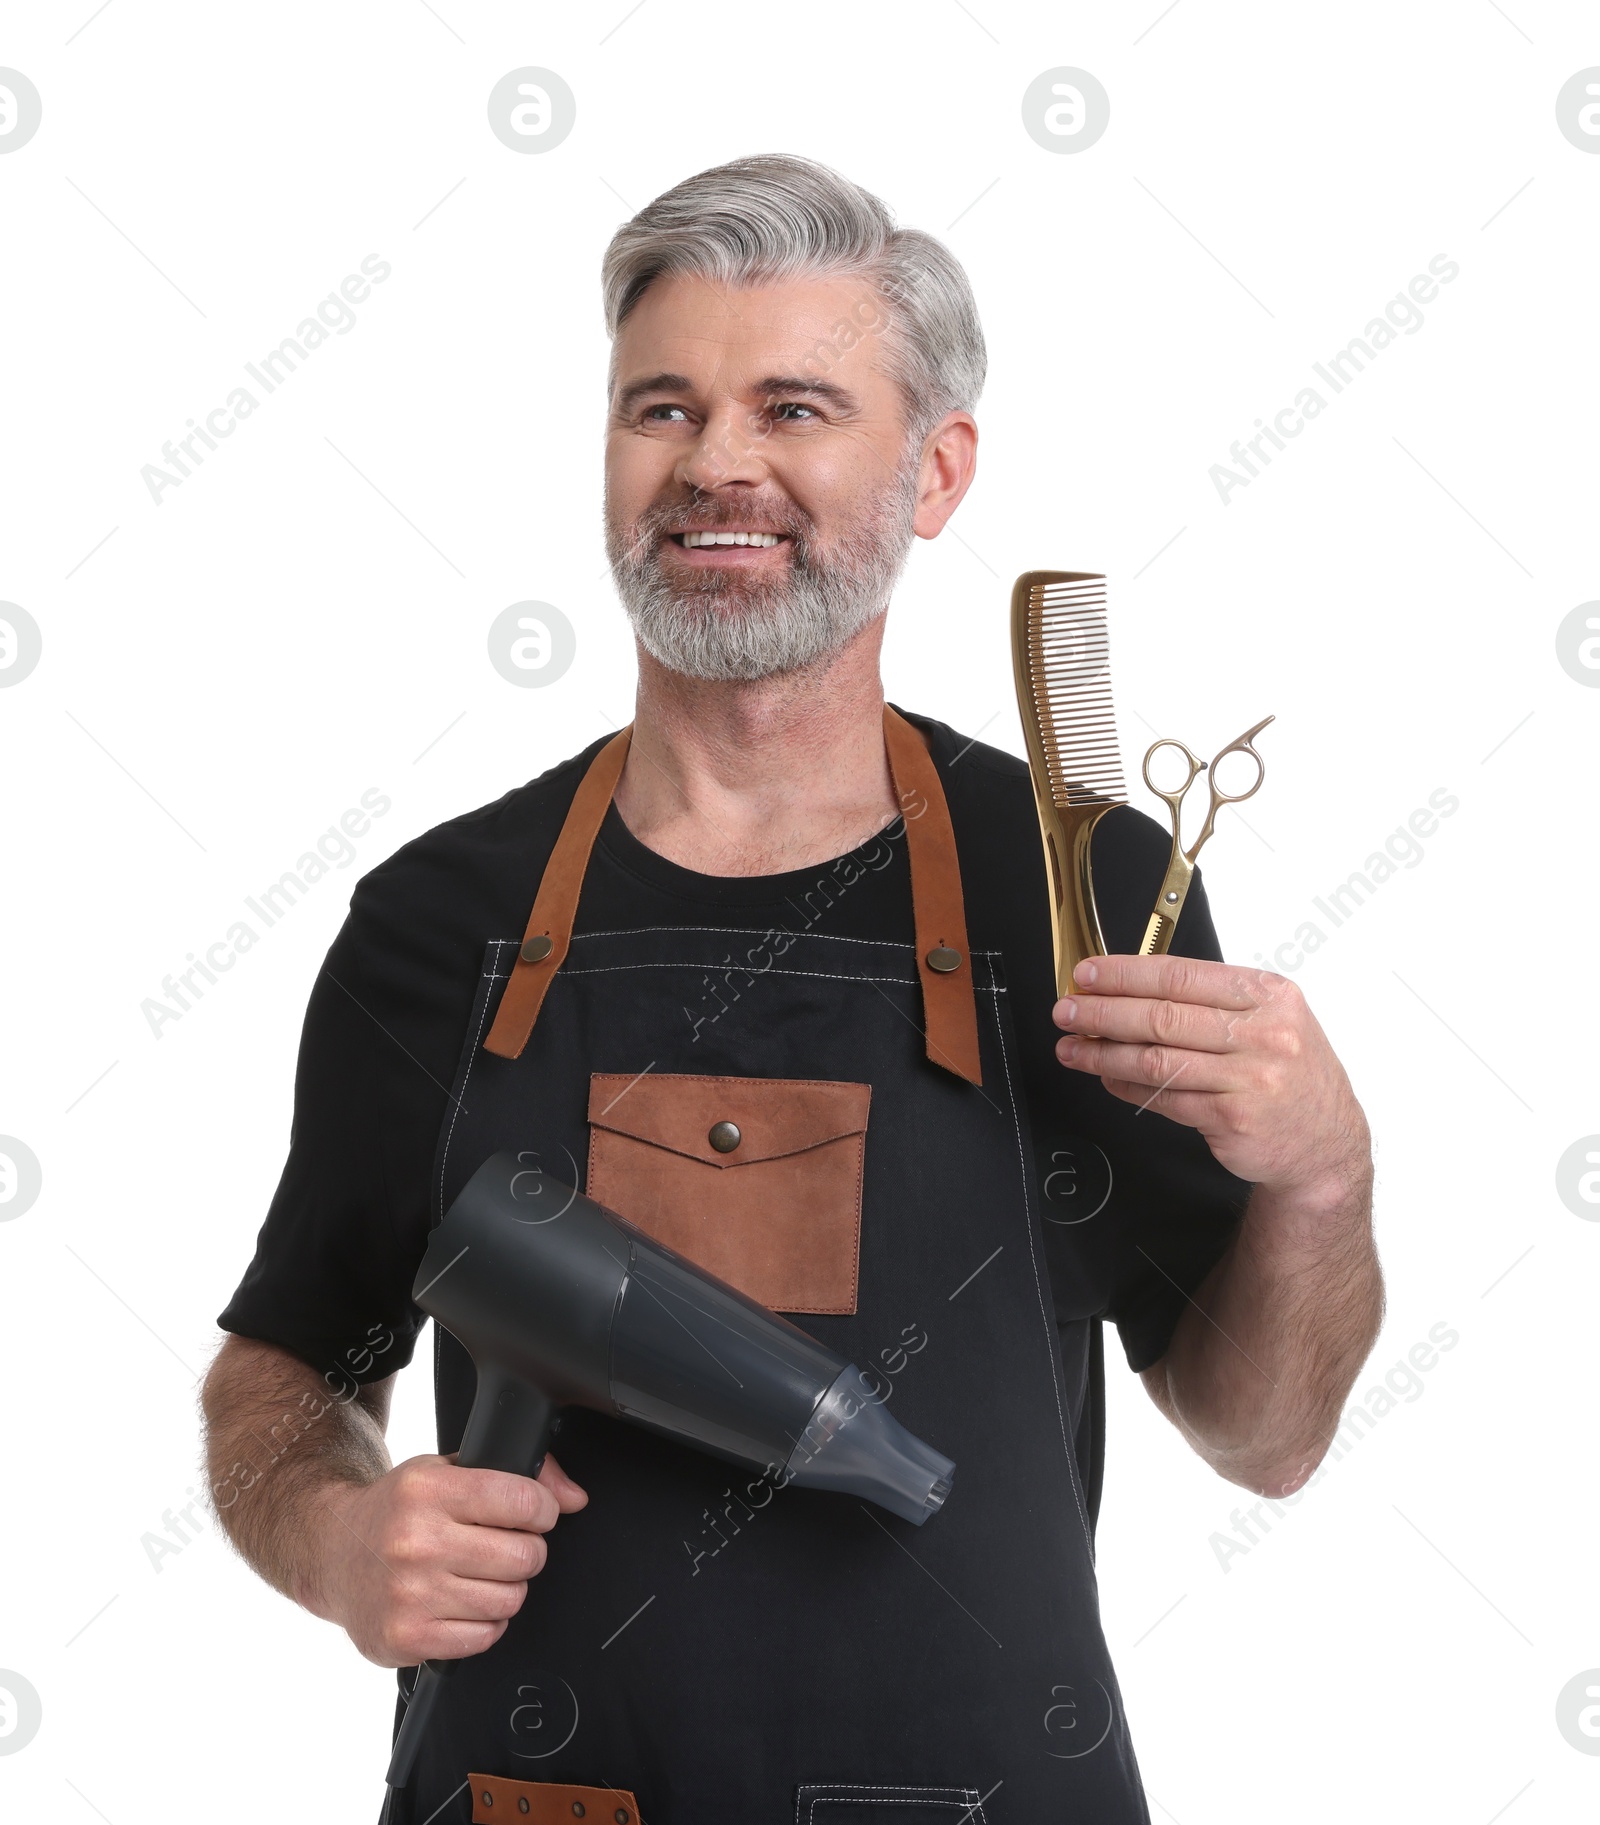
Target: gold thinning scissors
(1180, 870)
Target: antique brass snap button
(943, 959)
(535, 950)
(724, 1136)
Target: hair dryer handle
(508, 1429)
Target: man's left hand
(1233, 1052)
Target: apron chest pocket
(755, 1179)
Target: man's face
(762, 411)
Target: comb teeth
(1069, 676)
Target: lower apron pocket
(845, 1803)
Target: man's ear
(949, 461)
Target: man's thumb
(569, 1496)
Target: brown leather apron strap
(497, 1800)
(944, 964)
(549, 933)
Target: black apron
(730, 1651)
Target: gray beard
(733, 624)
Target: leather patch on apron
(755, 1179)
(496, 1800)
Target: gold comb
(1059, 651)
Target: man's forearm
(1262, 1359)
(279, 1442)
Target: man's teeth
(693, 539)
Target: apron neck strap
(944, 964)
(549, 933)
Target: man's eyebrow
(836, 396)
(771, 386)
(636, 390)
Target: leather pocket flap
(773, 1116)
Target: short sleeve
(336, 1257)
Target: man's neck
(761, 777)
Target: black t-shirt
(1136, 1211)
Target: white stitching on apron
(615, 969)
(747, 931)
(444, 1152)
(1046, 1309)
(970, 1799)
(472, 1059)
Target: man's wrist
(1307, 1214)
(314, 1578)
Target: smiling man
(770, 973)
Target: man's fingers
(500, 1498)
(499, 1555)
(453, 1640)
(1167, 1023)
(472, 1599)
(1197, 979)
(1152, 1066)
(1190, 1108)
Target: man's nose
(730, 448)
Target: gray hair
(773, 217)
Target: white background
(227, 672)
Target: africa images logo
(334, 315)
(1402, 315)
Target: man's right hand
(430, 1561)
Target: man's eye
(651, 411)
(785, 406)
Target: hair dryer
(560, 1302)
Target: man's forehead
(740, 337)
